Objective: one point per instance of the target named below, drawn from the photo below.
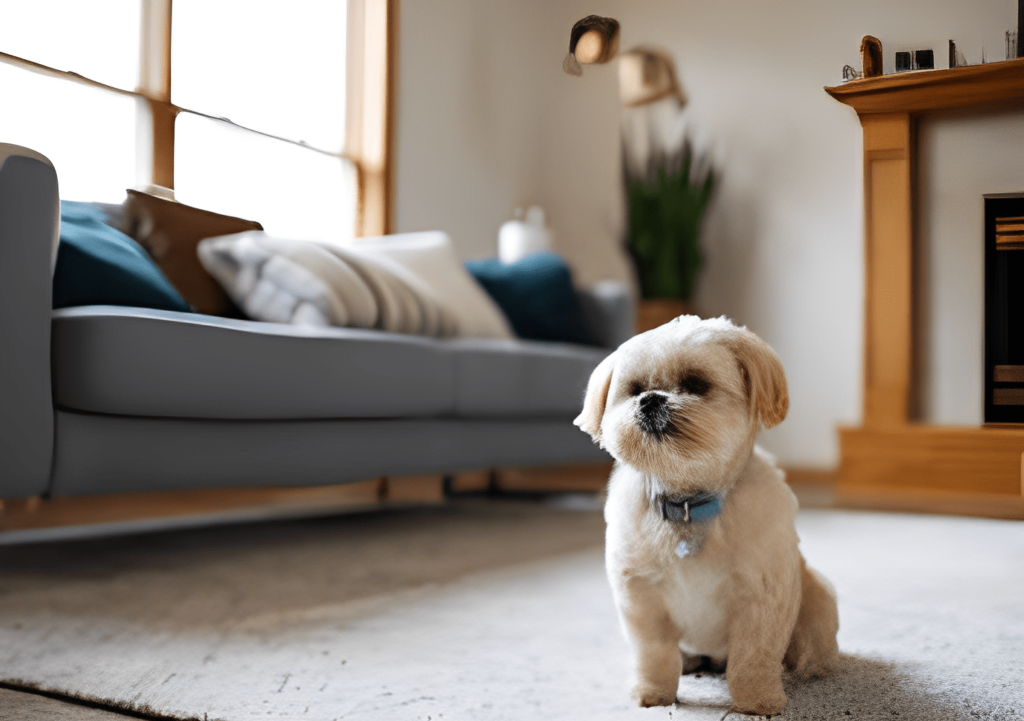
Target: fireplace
(1004, 309)
(893, 458)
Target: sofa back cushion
(322, 284)
(537, 295)
(431, 256)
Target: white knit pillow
(432, 257)
(319, 284)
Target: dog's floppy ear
(589, 419)
(763, 375)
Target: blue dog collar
(698, 508)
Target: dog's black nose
(652, 401)
(654, 416)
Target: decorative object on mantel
(667, 183)
(1020, 29)
(593, 40)
(870, 56)
(1018, 46)
(924, 59)
(956, 58)
(915, 60)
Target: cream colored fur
(743, 595)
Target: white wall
(487, 120)
(469, 121)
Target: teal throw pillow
(537, 295)
(98, 265)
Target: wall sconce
(647, 75)
(593, 40)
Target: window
(276, 112)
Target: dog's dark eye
(636, 389)
(694, 385)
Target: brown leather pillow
(170, 231)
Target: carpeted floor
(484, 609)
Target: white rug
(485, 610)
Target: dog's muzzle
(654, 416)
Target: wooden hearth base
(935, 468)
(983, 505)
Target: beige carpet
(484, 609)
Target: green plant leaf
(665, 212)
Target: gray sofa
(103, 399)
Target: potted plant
(667, 185)
(665, 206)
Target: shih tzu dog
(701, 551)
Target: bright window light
(98, 39)
(276, 67)
(292, 191)
(88, 134)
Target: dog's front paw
(766, 706)
(756, 694)
(647, 696)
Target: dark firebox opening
(1004, 308)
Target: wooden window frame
(370, 84)
(371, 68)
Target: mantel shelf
(989, 86)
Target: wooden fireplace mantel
(890, 455)
(978, 87)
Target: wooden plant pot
(657, 311)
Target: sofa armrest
(609, 311)
(29, 233)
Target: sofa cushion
(537, 295)
(98, 264)
(521, 378)
(137, 362)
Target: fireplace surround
(891, 459)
